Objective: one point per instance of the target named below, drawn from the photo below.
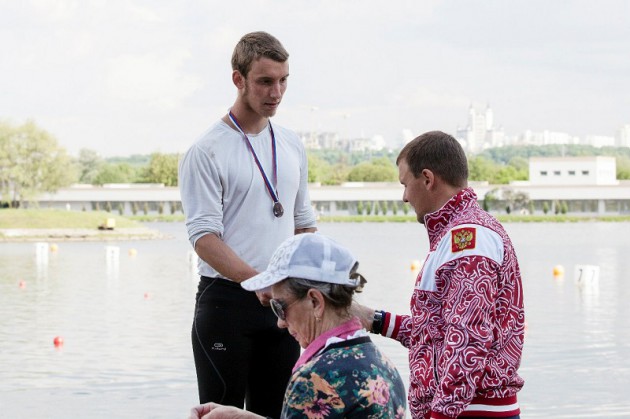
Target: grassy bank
(59, 219)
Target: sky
(124, 77)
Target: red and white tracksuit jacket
(466, 329)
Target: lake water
(126, 321)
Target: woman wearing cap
(340, 373)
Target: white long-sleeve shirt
(223, 192)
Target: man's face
(265, 85)
(415, 193)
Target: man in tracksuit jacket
(466, 328)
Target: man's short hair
(254, 46)
(438, 152)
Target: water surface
(126, 321)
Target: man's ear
(238, 79)
(428, 178)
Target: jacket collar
(436, 221)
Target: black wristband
(377, 322)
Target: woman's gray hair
(339, 296)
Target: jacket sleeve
(397, 327)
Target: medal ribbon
(251, 149)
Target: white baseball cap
(311, 256)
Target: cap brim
(262, 280)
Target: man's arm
(223, 259)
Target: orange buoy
(58, 341)
(415, 265)
(558, 271)
(54, 247)
(147, 295)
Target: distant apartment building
(320, 140)
(599, 141)
(480, 132)
(545, 138)
(332, 141)
(623, 136)
(573, 171)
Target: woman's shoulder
(349, 377)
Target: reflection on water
(124, 311)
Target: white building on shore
(586, 184)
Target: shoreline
(79, 234)
(25, 234)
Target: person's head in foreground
(312, 280)
(432, 168)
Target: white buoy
(587, 275)
(112, 252)
(112, 260)
(41, 253)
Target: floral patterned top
(348, 379)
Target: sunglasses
(280, 308)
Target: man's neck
(250, 122)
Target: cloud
(155, 80)
(155, 74)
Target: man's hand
(365, 314)
(218, 411)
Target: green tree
(318, 168)
(545, 207)
(623, 167)
(31, 163)
(490, 199)
(360, 208)
(394, 207)
(114, 173)
(338, 174)
(377, 170)
(384, 207)
(480, 169)
(161, 169)
(89, 164)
